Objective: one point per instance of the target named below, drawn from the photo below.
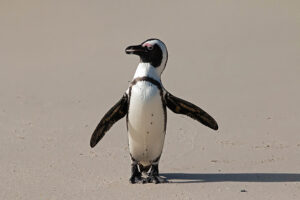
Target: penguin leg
(154, 175)
(136, 176)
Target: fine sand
(63, 65)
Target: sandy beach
(63, 65)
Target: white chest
(146, 122)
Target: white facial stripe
(151, 71)
(162, 46)
(159, 43)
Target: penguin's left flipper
(181, 106)
(117, 112)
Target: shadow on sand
(234, 177)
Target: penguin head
(152, 51)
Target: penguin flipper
(118, 111)
(181, 106)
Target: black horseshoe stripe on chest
(146, 78)
(158, 85)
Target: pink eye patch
(147, 45)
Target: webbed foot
(155, 179)
(154, 176)
(136, 176)
(136, 179)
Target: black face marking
(148, 54)
(154, 56)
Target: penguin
(144, 105)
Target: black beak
(136, 49)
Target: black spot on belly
(152, 115)
(148, 132)
(151, 123)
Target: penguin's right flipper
(118, 111)
(181, 106)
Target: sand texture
(63, 65)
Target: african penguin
(144, 104)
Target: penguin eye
(150, 48)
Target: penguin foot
(136, 179)
(153, 176)
(136, 176)
(155, 179)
